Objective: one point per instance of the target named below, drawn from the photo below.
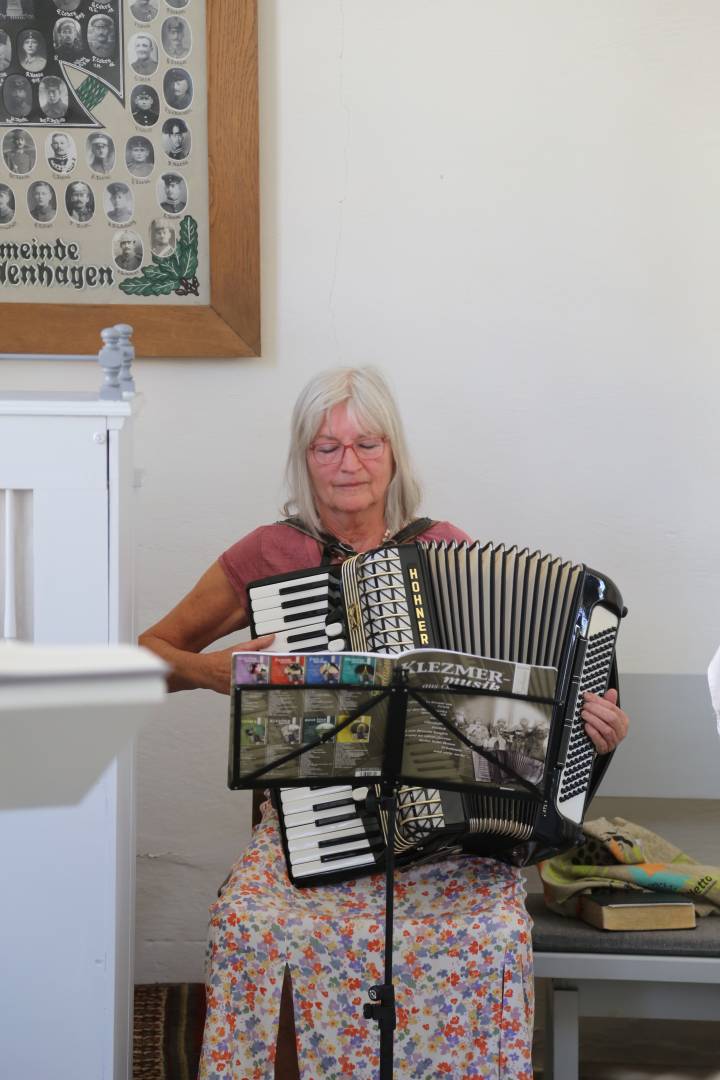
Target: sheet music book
(281, 702)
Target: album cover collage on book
(281, 702)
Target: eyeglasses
(331, 452)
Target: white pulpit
(67, 896)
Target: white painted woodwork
(68, 893)
(10, 572)
(65, 713)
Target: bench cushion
(554, 933)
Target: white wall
(513, 208)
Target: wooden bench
(656, 974)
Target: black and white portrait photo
(101, 36)
(42, 203)
(163, 238)
(176, 138)
(176, 37)
(100, 152)
(139, 156)
(7, 205)
(53, 97)
(118, 203)
(144, 10)
(177, 4)
(178, 89)
(19, 153)
(61, 152)
(127, 251)
(69, 5)
(145, 105)
(143, 54)
(67, 39)
(32, 51)
(17, 96)
(79, 201)
(172, 193)
(5, 51)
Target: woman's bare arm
(209, 611)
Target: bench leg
(562, 1042)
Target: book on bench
(617, 909)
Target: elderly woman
(462, 952)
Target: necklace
(383, 540)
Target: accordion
(486, 600)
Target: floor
(645, 1050)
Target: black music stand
(381, 1007)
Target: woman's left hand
(605, 722)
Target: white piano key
(304, 843)
(312, 621)
(293, 794)
(324, 832)
(317, 799)
(302, 616)
(312, 817)
(262, 603)
(293, 617)
(288, 587)
(356, 847)
(307, 869)
(282, 643)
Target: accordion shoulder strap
(413, 529)
(334, 547)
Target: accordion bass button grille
(580, 754)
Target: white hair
(371, 404)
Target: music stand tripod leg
(381, 1007)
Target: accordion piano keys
(309, 639)
(330, 830)
(286, 601)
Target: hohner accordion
(484, 600)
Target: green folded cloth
(619, 854)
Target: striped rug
(169, 1020)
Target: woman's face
(351, 486)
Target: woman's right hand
(218, 664)
(210, 612)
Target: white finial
(110, 359)
(127, 383)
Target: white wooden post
(66, 907)
(10, 574)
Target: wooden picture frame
(229, 326)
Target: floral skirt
(461, 968)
